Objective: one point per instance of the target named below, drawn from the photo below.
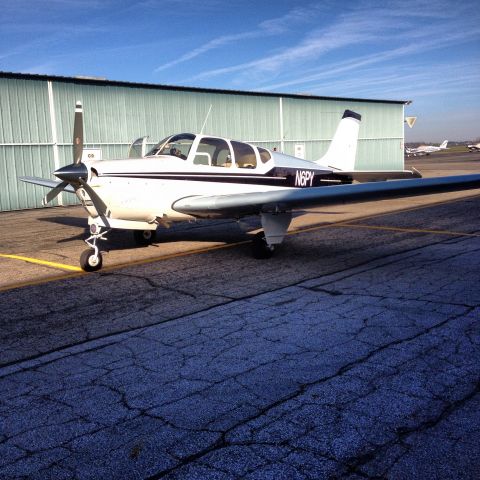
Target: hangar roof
(116, 83)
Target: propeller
(78, 134)
(98, 203)
(76, 173)
(54, 192)
(66, 174)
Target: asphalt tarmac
(353, 353)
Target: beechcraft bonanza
(426, 149)
(188, 177)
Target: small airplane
(426, 149)
(474, 148)
(195, 176)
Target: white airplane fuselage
(426, 149)
(140, 193)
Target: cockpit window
(244, 155)
(264, 155)
(177, 146)
(214, 152)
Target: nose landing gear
(91, 259)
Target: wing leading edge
(44, 182)
(241, 204)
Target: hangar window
(213, 151)
(264, 155)
(244, 155)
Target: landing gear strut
(260, 248)
(91, 259)
(275, 226)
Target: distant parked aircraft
(474, 148)
(425, 149)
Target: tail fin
(343, 147)
(444, 144)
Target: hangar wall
(36, 118)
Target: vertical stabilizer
(444, 144)
(343, 147)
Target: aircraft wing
(241, 204)
(44, 182)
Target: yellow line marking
(41, 281)
(383, 214)
(142, 261)
(228, 245)
(43, 262)
(169, 256)
(408, 230)
(418, 207)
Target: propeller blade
(54, 192)
(78, 134)
(98, 203)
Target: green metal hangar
(36, 115)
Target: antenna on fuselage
(206, 118)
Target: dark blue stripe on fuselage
(280, 177)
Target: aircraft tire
(144, 237)
(89, 262)
(260, 247)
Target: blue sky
(424, 51)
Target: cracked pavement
(354, 353)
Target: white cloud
(333, 70)
(271, 27)
(408, 28)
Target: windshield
(177, 146)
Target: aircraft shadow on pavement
(80, 222)
(225, 231)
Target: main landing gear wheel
(89, 261)
(144, 237)
(260, 248)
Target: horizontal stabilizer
(44, 182)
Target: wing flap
(241, 204)
(376, 176)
